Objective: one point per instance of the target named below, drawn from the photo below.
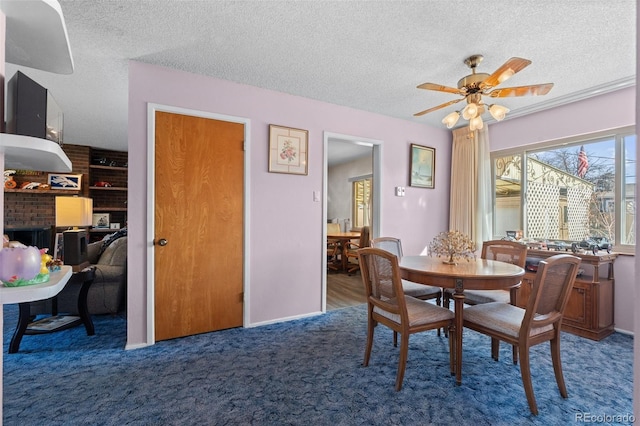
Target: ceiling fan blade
(507, 70)
(426, 111)
(440, 88)
(534, 90)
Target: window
(571, 190)
(361, 202)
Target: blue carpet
(303, 372)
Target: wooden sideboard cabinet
(589, 312)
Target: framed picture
(422, 167)
(101, 220)
(288, 150)
(70, 182)
(58, 247)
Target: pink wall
(608, 111)
(285, 236)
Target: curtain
(470, 209)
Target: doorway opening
(352, 197)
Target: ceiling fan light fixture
(451, 119)
(498, 112)
(470, 111)
(476, 123)
(507, 74)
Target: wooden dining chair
(388, 305)
(333, 248)
(539, 322)
(352, 250)
(419, 291)
(503, 251)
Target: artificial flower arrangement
(21, 265)
(452, 245)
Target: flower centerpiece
(452, 245)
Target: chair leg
(495, 348)
(557, 366)
(439, 303)
(514, 350)
(525, 371)
(395, 339)
(402, 362)
(451, 335)
(367, 352)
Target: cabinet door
(577, 311)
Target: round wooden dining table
(341, 239)
(474, 274)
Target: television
(32, 110)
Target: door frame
(376, 146)
(152, 108)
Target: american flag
(583, 163)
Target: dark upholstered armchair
(107, 293)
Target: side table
(56, 322)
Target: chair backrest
(364, 237)
(381, 278)
(390, 244)
(333, 228)
(551, 289)
(505, 251)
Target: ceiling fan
(476, 85)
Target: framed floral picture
(422, 167)
(288, 150)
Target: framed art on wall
(422, 166)
(70, 182)
(288, 150)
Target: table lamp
(74, 212)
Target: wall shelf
(109, 209)
(29, 153)
(108, 188)
(43, 191)
(101, 167)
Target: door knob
(162, 242)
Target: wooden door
(198, 212)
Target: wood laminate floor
(344, 290)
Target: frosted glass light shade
(73, 211)
(470, 111)
(498, 112)
(451, 119)
(476, 123)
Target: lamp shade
(73, 211)
(470, 111)
(451, 119)
(498, 111)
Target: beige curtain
(470, 199)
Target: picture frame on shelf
(66, 182)
(288, 150)
(101, 220)
(422, 166)
(58, 248)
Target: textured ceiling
(368, 55)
